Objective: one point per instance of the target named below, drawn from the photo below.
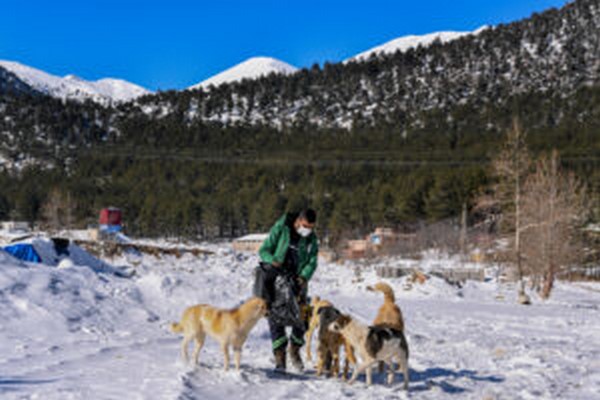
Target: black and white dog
(374, 344)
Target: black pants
(264, 287)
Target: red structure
(110, 216)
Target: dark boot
(295, 357)
(280, 359)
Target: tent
(52, 251)
(24, 251)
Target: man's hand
(301, 282)
(276, 264)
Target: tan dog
(228, 327)
(328, 350)
(373, 344)
(315, 305)
(389, 313)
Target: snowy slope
(252, 68)
(405, 43)
(73, 334)
(72, 87)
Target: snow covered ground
(73, 333)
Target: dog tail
(388, 292)
(176, 327)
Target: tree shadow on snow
(288, 376)
(431, 377)
(13, 384)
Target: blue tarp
(24, 252)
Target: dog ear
(343, 320)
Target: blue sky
(176, 43)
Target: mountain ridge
(104, 91)
(251, 68)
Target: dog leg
(346, 369)
(237, 356)
(365, 366)
(320, 363)
(335, 363)
(184, 348)
(370, 375)
(350, 352)
(238, 343)
(322, 357)
(354, 376)
(225, 349)
(308, 337)
(404, 365)
(350, 359)
(199, 343)
(391, 371)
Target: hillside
(554, 53)
(395, 139)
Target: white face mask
(304, 232)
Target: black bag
(285, 309)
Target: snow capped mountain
(405, 43)
(252, 68)
(73, 87)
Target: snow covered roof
(255, 237)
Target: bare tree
(553, 213)
(511, 167)
(57, 211)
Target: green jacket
(275, 247)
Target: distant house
(15, 226)
(356, 249)
(382, 237)
(375, 242)
(110, 219)
(249, 243)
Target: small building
(15, 226)
(382, 237)
(356, 249)
(110, 219)
(249, 243)
(380, 241)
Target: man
(289, 255)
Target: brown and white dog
(373, 344)
(389, 313)
(228, 327)
(329, 344)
